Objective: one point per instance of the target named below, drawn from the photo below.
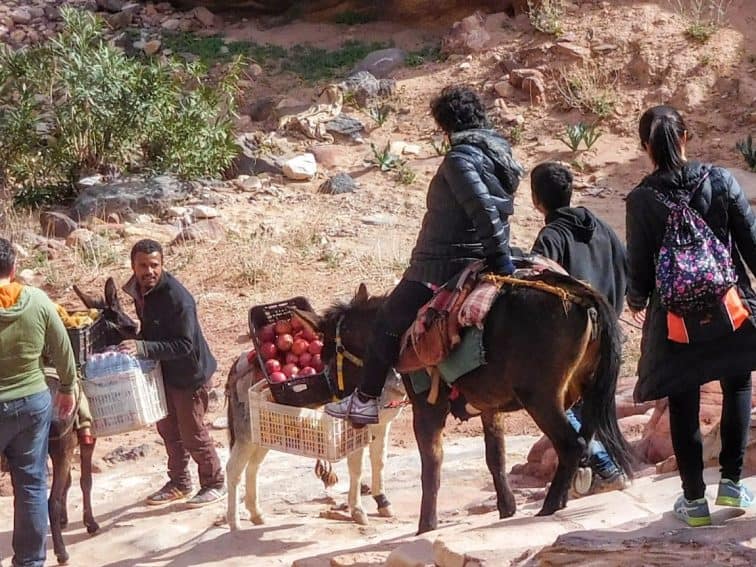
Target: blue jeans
(24, 430)
(600, 460)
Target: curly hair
(7, 258)
(551, 183)
(459, 108)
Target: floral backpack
(695, 276)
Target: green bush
(77, 105)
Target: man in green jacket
(29, 324)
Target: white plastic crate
(126, 401)
(301, 431)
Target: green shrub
(76, 105)
(546, 16)
(316, 64)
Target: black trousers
(686, 433)
(394, 318)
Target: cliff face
(390, 9)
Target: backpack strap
(681, 199)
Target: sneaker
(354, 409)
(733, 494)
(169, 493)
(695, 513)
(207, 496)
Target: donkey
(247, 455)
(549, 342)
(64, 438)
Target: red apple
(315, 347)
(308, 334)
(284, 342)
(272, 365)
(277, 377)
(305, 359)
(317, 363)
(307, 371)
(299, 346)
(291, 358)
(290, 370)
(268, 350)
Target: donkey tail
(230, 403)
(599, 411)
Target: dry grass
(588, 88)
(701, 18)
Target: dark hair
(146, 246)
(459, 108)
(551, 183)
(662, 130)
(7, 258)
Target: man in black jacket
(171, 334)
(590, 251)
(468, 205)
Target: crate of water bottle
(124, 393)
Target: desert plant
(746, 149)
(76, 104)
(701, 18)
(516, 133)
(546, 16)
(384, 160)
(580, 132)
(423, 55)
(591, 134)
(589, 88)
(380, 114)
(441, 147)
(405, 174)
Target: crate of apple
(290, 354)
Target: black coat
(171, 333)
(588, 249)
(665, 367)
(468, 204)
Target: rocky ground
(306, 211)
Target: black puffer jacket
(469, 201)
(665, 367)
(171, 333)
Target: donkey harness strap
(341, 354)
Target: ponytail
(662, 131)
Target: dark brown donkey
(64, 438)
(544, 351)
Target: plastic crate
(88, 340)
(301, 431)
(306, 391)
(126, 401)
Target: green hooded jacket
(29, 325)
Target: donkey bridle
(341, 354)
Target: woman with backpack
(690, 235)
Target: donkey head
(119, 325)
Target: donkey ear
(362, 294)
(111, 294)
(309, 319)
(89, 301)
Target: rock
(152, 47)
(163, 233)
(278, 250)
(382, 62)
(208, 230)
(111, 5)
(338, 184)
(123, 454)
(254, 71)
(17, 36)
(517, 76)
(81, 238)
(535, 88)
(262, 109)
(331, 155)
(120, 20)
(20, 250)
(130, 196)
(248, 183)
(21, 16)
(300, 168)
(365, 87)
(464, 66)
(379, 219)
(30, 277)
(396, 147)
(203, 212)
(205, 16)
(56, 224)
(245, 164)
(571, 50)
(504, 89)
(177, 212)
(171, 24)
(466, 36)
(346, 126)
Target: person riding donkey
(590, 251)
(468, 204)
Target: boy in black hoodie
(590, 251)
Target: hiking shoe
(169, 493)
(695, 513)
(207, 496)
(354, 409)
(733, 494)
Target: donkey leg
(428, 424)
(354, 464)
(85, 481)
(61, 452)
(378, 456)
(250, 494)
(493, 429)
(237, 463)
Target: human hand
(639, 316)
(64, 405)
(128, 347)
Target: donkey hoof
(386, 512)
(359, 516)
(257, 519)
(92, 527)
(63, 558)
(234, 526)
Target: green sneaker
(695, 513)
(733, 494)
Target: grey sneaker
(695, 513)
(207, 496)
(354, 409)
(733, 494)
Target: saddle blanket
(466, 357)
